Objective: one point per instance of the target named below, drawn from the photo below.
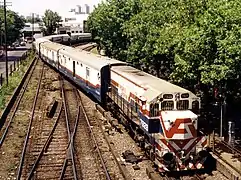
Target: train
(163, 116)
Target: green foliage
(190, 42)
(14, 79)
(51, 20)
(15, 23)
(106, 24)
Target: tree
(29, 19)
(51, 20)
(15, 24)
(193, 43)
(106, 23)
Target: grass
(14, 80)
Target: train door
(73, 68)
(87, 76)
(53, 57)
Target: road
(12, 56)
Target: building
(30, 28)
(74, 20)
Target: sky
(26, 7)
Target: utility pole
(32, 26)
(5, 38)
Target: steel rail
(46, 144)
(17, 105)
(197, 176)
(70, 143)
(69, 132)
(124, 174)
(230, 165)
(94, 139)
(230, 147)
(29, 127)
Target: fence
(14, 66)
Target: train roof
(154, 86)
(66, 35)
(92, 60)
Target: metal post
(32, 26)
(213, 141)
(209, 140)
(5, 38)
(221, 120)
(11, 69)
(231, 133)
(1, 79)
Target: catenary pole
(5, 39)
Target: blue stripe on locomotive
(152, 127)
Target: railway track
(228, 148)
(14, 129)
(227, 168)
(15, 108)
(27, 138)
(85, 47)
(48, 153)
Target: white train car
(89, 71)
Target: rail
(11, 102)
(70, 134)
(102, 111)
(16, 93)
(29, 127)
(45, 145)
(232, 149)
(94, 140)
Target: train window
(195, 107)
(87, 71)
(77, 63)
(154, 110)
(69, 59)
(81, 65)
(167, 96)
(72, 31)
(76, 31)
(167, 105)
(185, 95)
(182, 104)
